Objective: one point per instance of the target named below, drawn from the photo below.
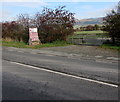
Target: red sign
(33, 34)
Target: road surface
(32, 76)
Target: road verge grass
(54, 44)
(109, 46)
(24, 45)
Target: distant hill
(90, 21)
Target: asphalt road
(25, 77)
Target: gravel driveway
(88, 51)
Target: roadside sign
(33, 34)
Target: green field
(78, 26)
(89, 34)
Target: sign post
(33, 36)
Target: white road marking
(21, 51)
(73, 76)
(103, 61)
(112, 58)
(98, 56)
(48, 55)
(10, 50)
(32, 53)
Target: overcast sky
(82, 8)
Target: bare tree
(55, 24)
(25, 21)
(52, 24)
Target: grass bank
(24, 45)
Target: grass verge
(115, 47)
(24, 45)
